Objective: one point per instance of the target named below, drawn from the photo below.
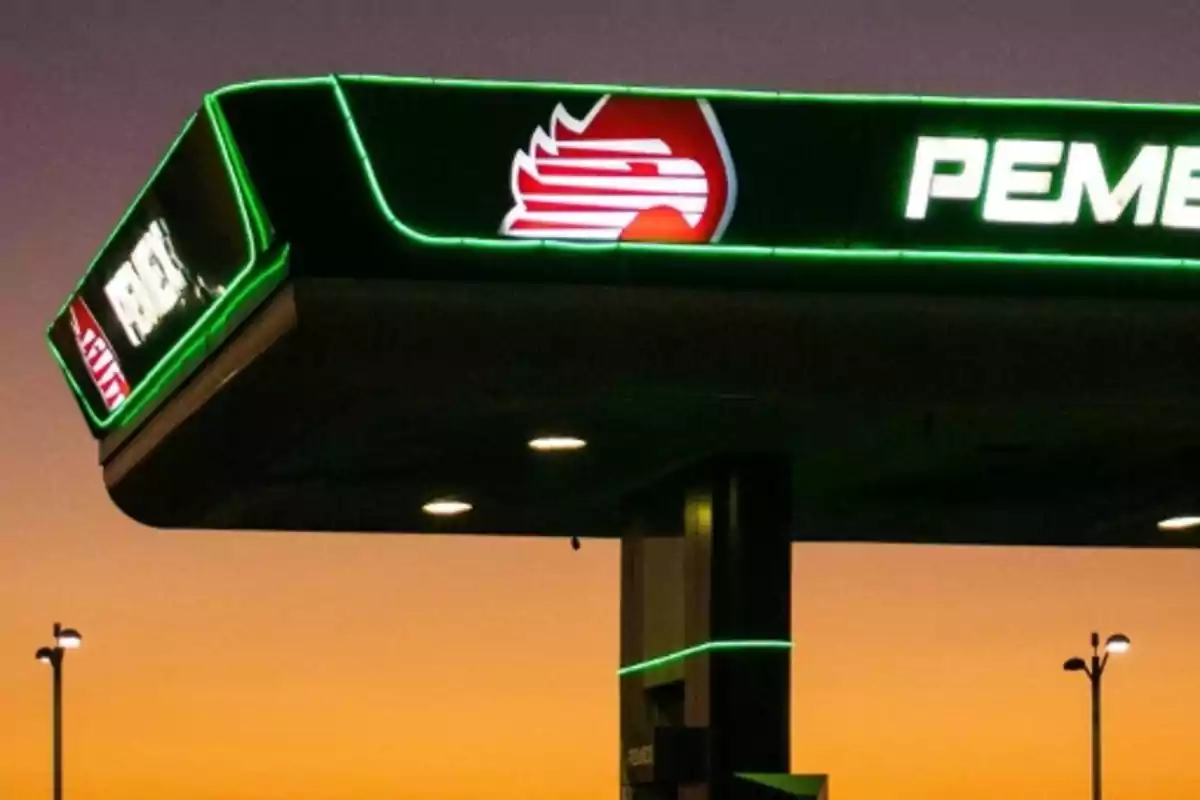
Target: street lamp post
(64, 639)
(1117, 643)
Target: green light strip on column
(707, 647)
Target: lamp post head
(1117, 643)
(68, 638)
(1075, 665)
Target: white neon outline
(731, 184)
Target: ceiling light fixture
(446, 508)
(1178, 523)
(556, 444)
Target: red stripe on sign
(98, 355)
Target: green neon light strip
(214, 318)
(233, 158)
(731, 94)
(700, 649)
(852, 254)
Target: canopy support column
(706, 630)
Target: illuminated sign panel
(170, 262)
(874, 175)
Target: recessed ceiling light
(1178, 523)
(446, 508)
(554, 444)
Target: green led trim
(707, 647)
(854, 254)
(272, 83)
(254, 202)
(731, 94)
(173, 362)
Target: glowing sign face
(122, 337)
(1017, 186)
(103, 366)
(632, 169)
(147, 287)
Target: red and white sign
(98, 355)
(633, 169)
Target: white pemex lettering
(1014, 180)
(145, 288)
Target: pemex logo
(633, 169)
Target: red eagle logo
(633, 169)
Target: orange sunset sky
(280, 666)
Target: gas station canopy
(338, 300)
